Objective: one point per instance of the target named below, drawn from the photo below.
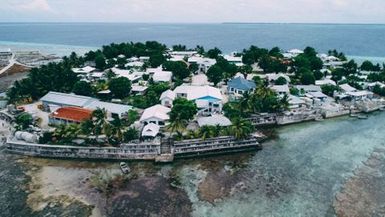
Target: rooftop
(241, 84)
(72, 114)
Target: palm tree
(66, 133)
(284, 102)
(177, 125)
(117, 128)
(99, 118)
(206, 132)
(241, 128)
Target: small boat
(124, 167)
(354, 115)
(362, 116)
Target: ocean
(358, 41)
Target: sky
(194, 11)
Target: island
(145, 101)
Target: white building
(208, 99)
(203, 63)
(84, 70)
(167, 98)
(281, 89)
(157, 114)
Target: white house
(214, 120)
(167, 98)
(112, 109)
(281, 89)
(157, 114)
(150, 130)
(162, 76)
(203, 63)
(347, 88)
(325, 82)
(234, 60)
(208, 99)
(84, 70)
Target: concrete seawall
(140, 151)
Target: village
(150, 102)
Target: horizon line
(187, 23)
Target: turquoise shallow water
(299, 173)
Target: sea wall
(139, 151)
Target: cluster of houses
(71, 108)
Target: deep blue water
(354, 40)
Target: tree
(157, 59)
(120, 87)
(179, 69)
(318, 75)
(213, 53)
(23, 120)
(183, 109)
(329, 89)
(215, 74)
(82, 88)
(307, 78)
(280, 81)
(241, 129)
(130, 134)
(132, 116)
(369, 66)
(100, 62)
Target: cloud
(191, 11)
(33, 5)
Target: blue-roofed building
(240, 85)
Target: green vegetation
(52, 77)
(179, 69)
(263, 99)
(83, 88)
(120, 87)
(329, 89)
(182, 111)
(23, 120)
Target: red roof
(72, 114)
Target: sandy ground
(34, 111)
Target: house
(157, 114)
(208, 99)
(214, 120)
(296, 102)
(84, 70)
(69, 115)
(133, 76)
(162, 76)
(113, 109)
(308, 88)
(281, 89)
(150, 130)
(54, 100)
(325, 82)
(317, 95)
(240, 86)
(272, 77)
(137, 64)
(203, 63)
(167, 98)
(347, 88)
(234, 60)
(183, 53)
(360, 95)
(138, 89)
